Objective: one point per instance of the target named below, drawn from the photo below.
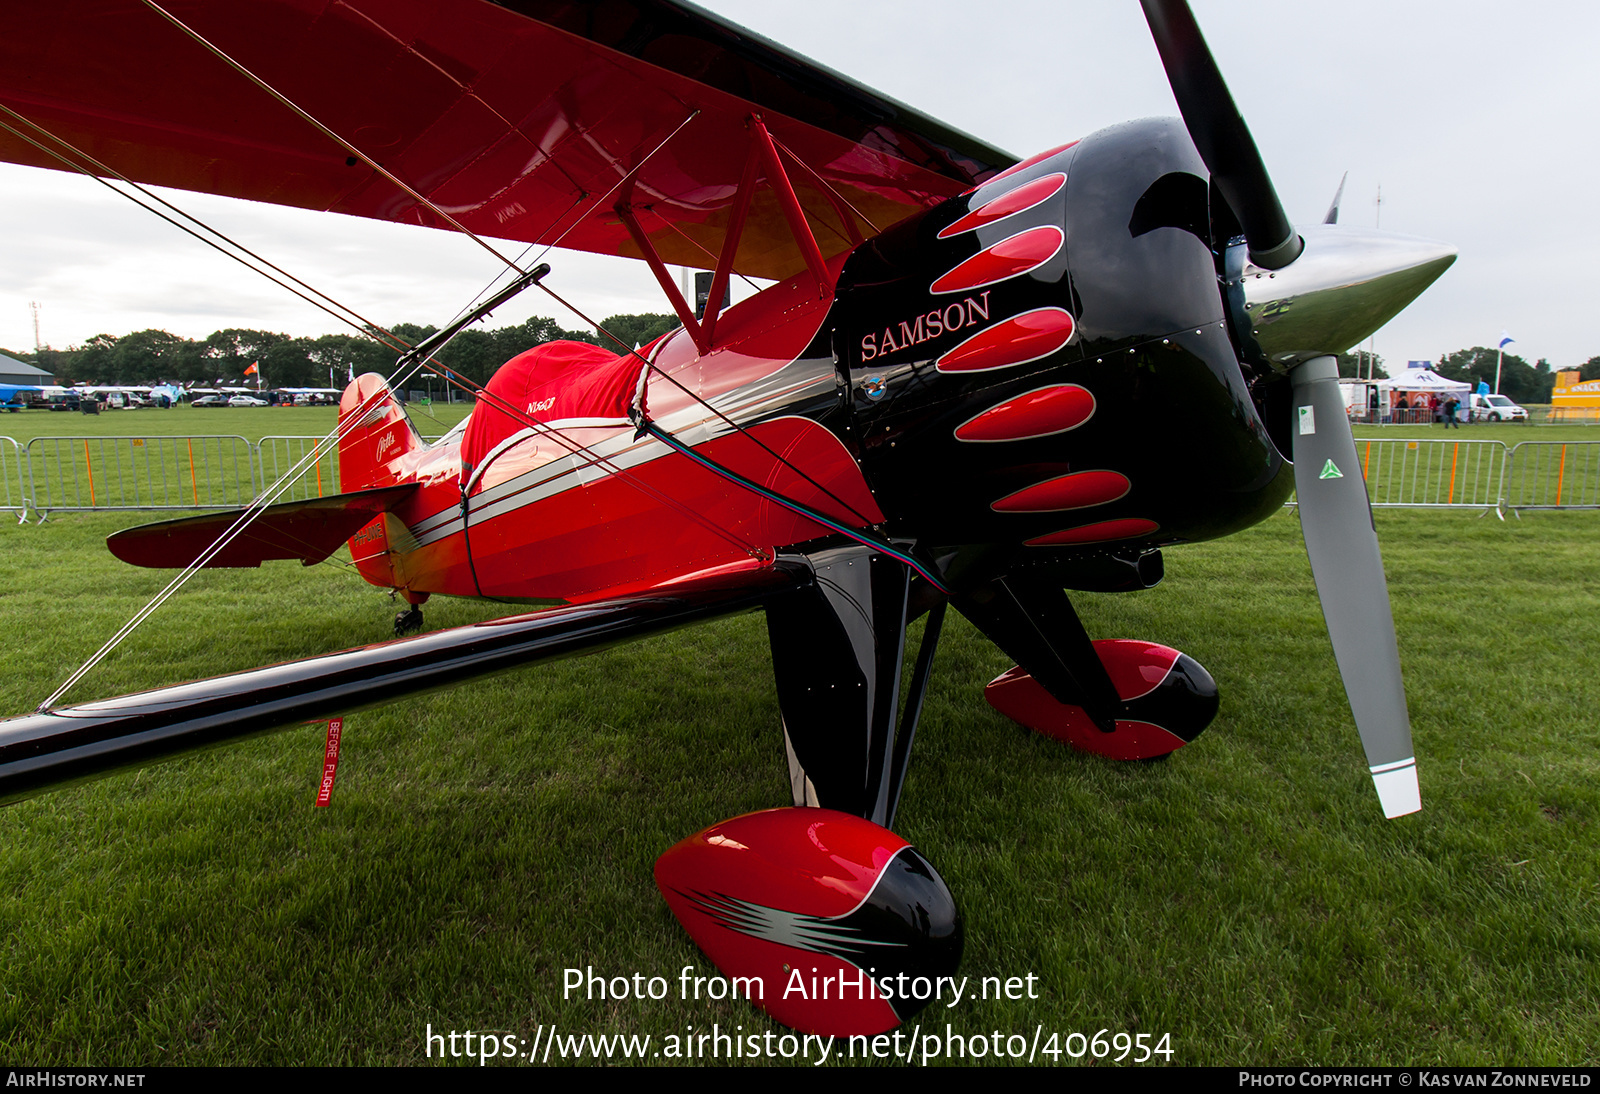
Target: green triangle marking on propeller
(1330, 470)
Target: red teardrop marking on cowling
(1023, 166)
(1042, 412)
(1126, 528)
(1076, 491)
(1016, 341)
(1007, 204)
(1009, 258)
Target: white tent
(1423, 379)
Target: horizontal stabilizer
(307, 530)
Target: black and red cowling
(1041, 371)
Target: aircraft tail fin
(372, 448)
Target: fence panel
(1565, 415)
(13, 478)
(276, 456)
(1432, 473)
(71, 473)
(1554, 475)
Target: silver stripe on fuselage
(604, 458)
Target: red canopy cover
(555, 382)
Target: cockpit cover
(558, 382)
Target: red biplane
(975, 382)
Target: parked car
(246, 400)
(209, 400)
(1496, 408)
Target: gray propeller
(1336, 518)
(1332, 288)
(1220, 135)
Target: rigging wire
(238, 67)
(653, 367)
(416, 362)
(359, 323)
(875, 542)
(575, 448)
(832, 189)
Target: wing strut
(653, 259)
(763, 154)
(779, 181)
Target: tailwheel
(1166, 699)
(408, 621)
(411, 619)
(829, 923)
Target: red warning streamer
(330, 761)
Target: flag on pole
(1505, 339)
(253, 369)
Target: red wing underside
(307, 530)
(529, 120)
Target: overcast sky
(1477, 119)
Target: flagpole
(1499, 355)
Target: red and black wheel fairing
(829, 918)
(1167, 699)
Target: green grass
(1246, 896)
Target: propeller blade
(1220, 135)
(1336, 518)
(1332, 215)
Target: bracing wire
(409, 363)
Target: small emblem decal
(1330, 470)
(1308, 420)
(874, 387)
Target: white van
(1496, 408)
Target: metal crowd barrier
(1432, 474)
(1553, 475)
(1569, 415)
(85, 474)
(277, 456)
(13, 479)
(68, 474)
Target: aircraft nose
(1346, 284)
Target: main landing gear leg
(837, 653)
(1124, 700)
(828, 878)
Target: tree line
(154, 355)
(1519, 381)
(150, 356)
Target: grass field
(1246, 896)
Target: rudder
(371, 448)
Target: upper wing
(524, 119)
